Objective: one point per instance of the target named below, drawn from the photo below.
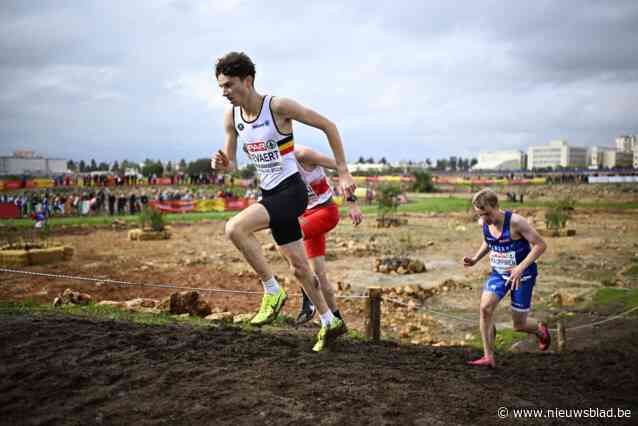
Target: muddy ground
(59, 370)
(66, 370)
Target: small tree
(153, 218)
(557, 216)
(152, 168)
(422, 182)
(200, 166)
(388, 200)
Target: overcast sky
(402, 79)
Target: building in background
(603, 157)
(365, 167)
(501, 160)
(25, 162)
(558, 153)
(627, 143)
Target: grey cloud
(433, 78)
(564, 40)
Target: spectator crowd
(108, 201)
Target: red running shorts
(317, 222)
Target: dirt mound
(68, 370)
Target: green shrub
(153, 218)
(388, 199)
(557, 215)
(422, 182)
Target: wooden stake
(373, 306)
(561, 341)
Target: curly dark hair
(235, 64)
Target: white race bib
(265, 156)
(503, 261)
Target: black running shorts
(285, 203)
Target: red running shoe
(544, 340)
(483, 362)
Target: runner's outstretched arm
(289, 109)
(313, 158)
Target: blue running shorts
(521, 297)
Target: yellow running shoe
(271, 305)
(328, 333)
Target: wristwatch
(352, 198)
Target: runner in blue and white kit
(264, 125)
(513, 245)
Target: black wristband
(352, 198)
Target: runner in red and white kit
(263, 124)
(321, 216)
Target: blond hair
(485, 197)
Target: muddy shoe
(306, 314)
(336, 329)
(544, 338)
(271, 305)
(329, 333)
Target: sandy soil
(200, 256)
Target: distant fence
(612, 179)
(451, 180)
(79, 182)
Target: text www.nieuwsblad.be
(563, 413)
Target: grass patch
(417, 205)
(457, 204)
(617, 298)
(357, 335)
(424, 205)
(504, 340)
(93, 310)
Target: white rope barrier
(423, 308)
(165, 286)
(593, 324)
(220, 290)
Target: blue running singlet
(505, 254)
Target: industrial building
(25, 162)
(558, 153)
